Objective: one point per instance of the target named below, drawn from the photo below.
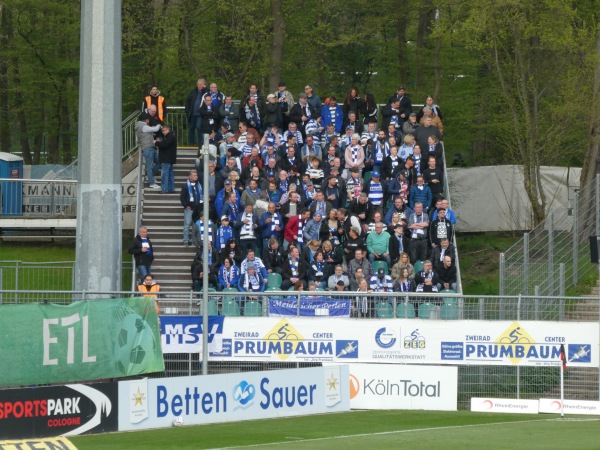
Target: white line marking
(382, 433)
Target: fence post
(481, 308)
(551, 277)
(537, 303)
(526, 263)
(575, 234)
(519, 307)
(561, 305)
(298, 310)
(502, 269)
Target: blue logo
(243, 393)
(346, 349)
(385, 339)
(580, 353)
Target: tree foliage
(513, 78)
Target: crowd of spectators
(328, 194)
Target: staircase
(163, 215)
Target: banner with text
(230, 397)
(183, 334)
(309, 306)
(292, 339)
(65, 410)
(88, 340)
(400, 386)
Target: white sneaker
(154, 186)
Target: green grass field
(369, 429)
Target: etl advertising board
(291, 339)
(67, 410)
(387, 386)
(156, 403)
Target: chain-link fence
(555, 255)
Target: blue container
(11, 166)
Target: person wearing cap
(381, 282)
(230, 113)
(376, 191)
(333, 114)
(223, 234)
(252, 280)
(223, 195)
(405, 105)
(274, 112)
(410, 126)
(378, 244)
(271, 225)
(301, 113)
(285, 99)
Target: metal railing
(555, 255)
(473, 380)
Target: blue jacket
(417, 195)
(266, 227)
(339, 117)
(234, 280)
(223, 235)
(220, 201)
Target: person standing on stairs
(145, 137)
(141, 249)
(191, 197)
(167, 156)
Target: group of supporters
(319, 193)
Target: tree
(532, 50)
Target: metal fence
(555, 255)
(474, 381)
(51, 279)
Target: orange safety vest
(159, 107)
(153, 288)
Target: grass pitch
(369, 429)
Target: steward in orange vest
(151, 289)
(157, 100)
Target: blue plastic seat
(384, 310)
(425, 310)
(405, 311)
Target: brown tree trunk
(276, 44)
(426, 14)
(401, 24)
(5, 34)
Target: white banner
(408, 341)
(504, 405)
(387, 386)
(138, 400)
(552, 406)
(233, 397)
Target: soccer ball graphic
(135, 342)
(178, 421)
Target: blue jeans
(194, 126)
(149, 158)
(143, 271)
(187, 223)
(167, 178)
